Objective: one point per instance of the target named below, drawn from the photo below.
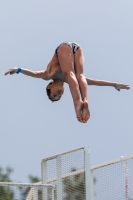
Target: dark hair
(48, 92)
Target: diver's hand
(11, 71)
(121, 86)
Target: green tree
(5, 192)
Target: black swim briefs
(74, 46)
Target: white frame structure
(88, 175)
(45, 184)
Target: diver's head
(55, 90)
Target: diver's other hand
(11, 71)
(121, 86)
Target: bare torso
(54, 70)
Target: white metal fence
(69, 172)
(113, 180)
(64, 177)
(68, 176)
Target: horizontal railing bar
(121, 159)
(65, 176)
(24, 184)
(52, 157)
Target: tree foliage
(74, 186)
(5, 192)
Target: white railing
(60, 176)
(33, 193)
(113, 179)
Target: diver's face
(56, 91)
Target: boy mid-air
(67, 65)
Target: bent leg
(66, 60)
(79, 70)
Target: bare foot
(86, 112)
(121, 86)
(78, 110)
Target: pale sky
(31, 127)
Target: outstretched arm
(36, 74)
(116, 85)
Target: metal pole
(59, 178)
(35, 193)
(92, 185)
(52, 194)
(44, 179)
(88, 178)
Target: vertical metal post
(44, 179)
(92, 184)
(35, 193)
(52, 194)
(88, 178)
(59, 178)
